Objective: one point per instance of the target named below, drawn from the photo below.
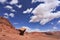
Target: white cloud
(46, 1)
(36, 30)
(11, 14)
(6, 15)
(34, 1)
(28, 10)
(59, 21)
(48, 30)
(28, 29)
(19, 6)
(12, 10)
(42, 13)
(55, 28)
(14, 2)
(3, 1)
(8, 7)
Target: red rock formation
(6, 26)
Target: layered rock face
(6, 26)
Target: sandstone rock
(6, 26)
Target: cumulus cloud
(43, 12)
(14, 2)
(3, 1)
(28, 10)
(6, 15)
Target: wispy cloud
(34, 1)
(28, 10)
(19, 6)
(8, 7)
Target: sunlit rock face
(6, 26)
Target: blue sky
(16, 12)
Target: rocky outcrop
(6, 26)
